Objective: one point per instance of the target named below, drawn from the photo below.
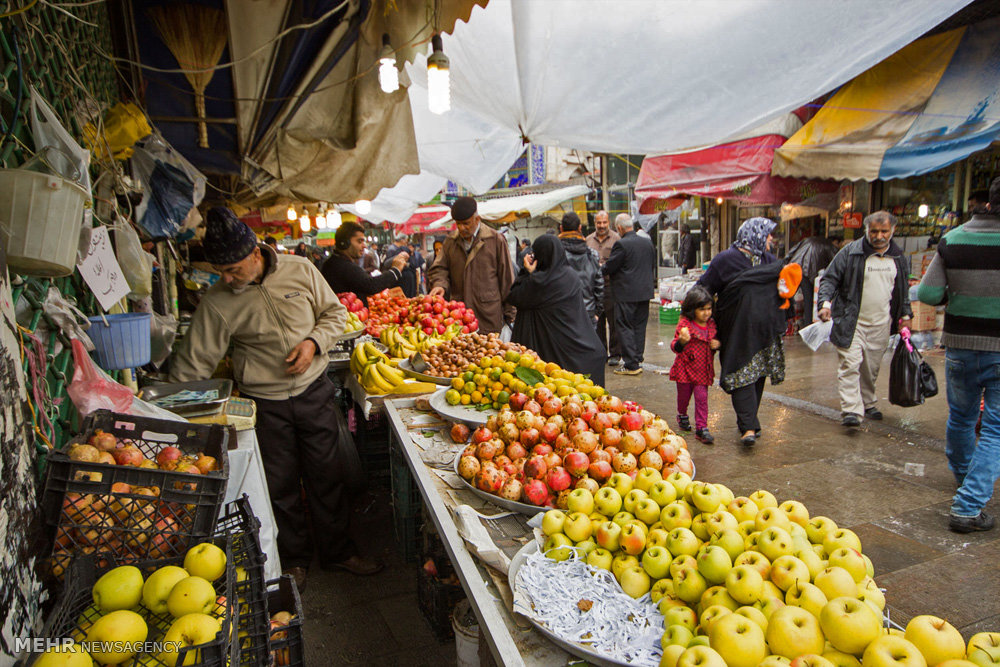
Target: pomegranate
(492, 423)
(576, 463)
(600, 455)
(632, 421)
(601, 422)
(668, 453)
(470, 450)
(542, 394)
(558, 421)
(541, 449)
(624, 462)
(539, 422)
(487, 450)
(121, 487)
(550, 432)
(571, 411)
(460, 432)
(129, 455)
(103, 441)
(517, 401)
(206, 464)
(516, 450)
(585, 441)
(611, 452)
(505, 417)
(509, 433)
(653, 437)
(524, 419)
(562, 500)
(633, 443)
(558, 479)
(551, 407)
(106, 457)
(650, 459)
(84, 453)
(168, 454)
(512, 489)
(647, 416)
(576, 426)
(600, 471)
(535, 468)
(481, 434)
(614, 417)
(611, 437)
(587, 483)
(533, 407)
(146, 463)
(501, 460)
(536, 493)
(489, 480)
(615, 404)
(553, 460)
(562, 443)
(530, 437)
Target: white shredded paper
(616, 627)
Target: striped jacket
(965, 274)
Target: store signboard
(852, 221)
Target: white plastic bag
(136, 263)
(816, 334)
(171, 187)
(70, 160)
(505, 333)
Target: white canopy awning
(520, 206)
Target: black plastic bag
(905, 376)
(928, 381)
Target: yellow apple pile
(746, 581)
(280, 619)
(127, 608)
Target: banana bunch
(378, 375)
(353, 323)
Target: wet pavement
(888, 481)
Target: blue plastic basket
(121, 343)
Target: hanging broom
(196, 36)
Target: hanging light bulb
(333, 219)
(718, 200)
(304, 223)
(363, 206)
(292, 215)
(438, 81)
(923, 210)
(320, 221)
(388, 75)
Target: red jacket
(695, 361)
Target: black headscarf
(551, 318)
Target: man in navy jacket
(630, 268)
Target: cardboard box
(924, 317)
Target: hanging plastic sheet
(171, 187)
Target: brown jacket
(481, 279)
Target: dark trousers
(630, 319)
(299, 445)
(746, 403)
(606, 329)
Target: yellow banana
(375, 380)
(390, 374)
(371, 350)
(415, 388)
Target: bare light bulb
(304, 223)
(718, 200)
(333, 219)
(388, 75)
(363, 206)
(923, 210)
(292, 215)
(438, 79)
(320, 221)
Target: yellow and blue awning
(928, 105)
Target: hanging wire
(20, 91)
(20, 11)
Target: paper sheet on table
(816, 334)
(494, 539)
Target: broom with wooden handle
(196, 36)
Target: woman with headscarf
(749, 320)
(551, 318)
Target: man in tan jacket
(474, 266)
(281, 318)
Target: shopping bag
(816, 334)
(928, 381)
(905, 387)
(91, 389)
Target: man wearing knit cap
(280, 318)
(474, 266)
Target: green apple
(188, 630)
(775, 542)
(681, 541)
(111, 631)
(795, 511)
(840, 659)
(558, 547)
(892, 651)
(676, 515)
(772, 591)
(661, 587)
(712, 614)
(633, 539)
(657, 537)
(646, 478)
(608, 501)
(788, 570)
(700, 656)
(842, 537)
(600, 558)
(120, 588)
(635, 582)
(756, 560)
(671, 653)
(774, 661)
(623, 518)
(984, 649)
(689, 585)
(820, 551)
(706, 497)
(850, 560)
(700, 528)
(763, 499)
(580, 500)
(677, 635)
(68, 655)
(620, 482)
(836, 582)
(682, 563)
(738, 640)
(205, 560)
(584, 547)
(744, 584)
(807, 596)
(754, 614)
(818, 527)
(553, 521)
(752, 541)
(729, 540)
(849, 624)
(718, 595)
(714, 564)
(956, 663)
(668, 602)
(792, 631)
(577, 527)
(191, 595)
(746, 529)
(656, 562)
(812, 561)
(868, 591)
(157, 588)
(647, 511)
(631, 500)
(608, 536)
(811, 660)
(680, 481)
(699, 640)
(681, 616)
(726, 493)
(720, 520)
(662, 493)
(936, 639)
(743, 509)
(772, 516)
(596, 519)
(768, 606)
(869, 566)
(621, 562)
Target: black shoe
(683, 422)
(748, 441)
(614, 361)
(874, 414)
(299, 574)
(704, 436)
(968, 524)
(851, 421)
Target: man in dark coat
(343, 273)
(585, 263)
(408, 283)
(686, 250)
(630, 268)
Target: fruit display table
(511, 641)
(246, 476)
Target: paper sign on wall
(100, 269)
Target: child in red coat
(694, 344)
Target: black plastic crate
(371, 437)
(287, 646)
(76, 599)
(407, 504)
(160, 513)
(438, 595)
(243, 529)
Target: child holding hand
(694, 344)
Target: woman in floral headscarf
(749, 321)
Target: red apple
(576, 463)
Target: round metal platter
(459, 413)
(407, 368)
(512, 505)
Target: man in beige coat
(281, 318)
(474, 266)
